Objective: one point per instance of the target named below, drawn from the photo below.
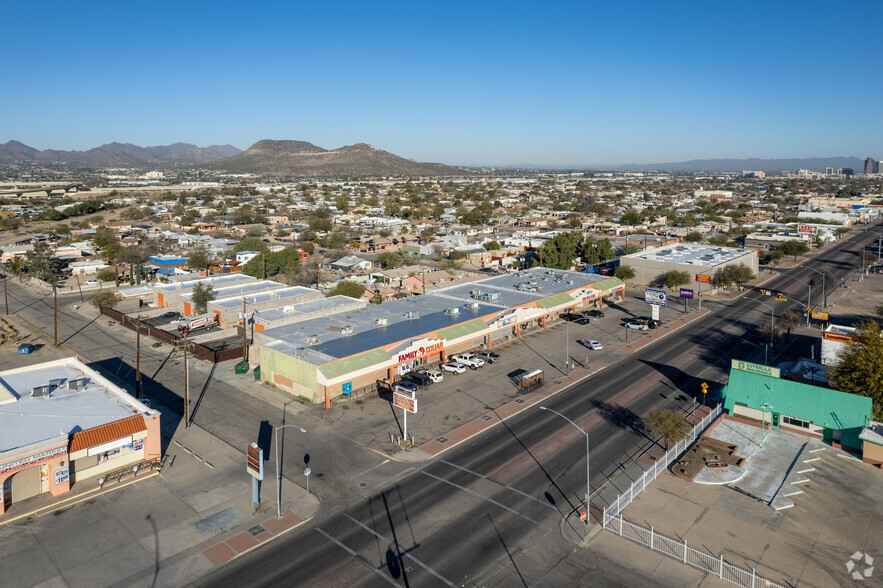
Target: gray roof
(281, 294)
(213, 280)
(686, 253)
(305, 308)
(240, 289)
(429, 314)
(25, 420)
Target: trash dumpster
(241, 367)
(257, 373)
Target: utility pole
(263, 267)
(6, 294)
(138, 363)
(318, 265)
(244, 330)
(186, 388)
(80, 289)
(55, 311)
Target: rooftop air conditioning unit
(452, 311)
(289, 308)
(472, 305)
(76, 384)
(40, 392)
(382, 322)
(412, 314)
(347, 330)
(56, 382)
(312, 339)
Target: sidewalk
(171, 526)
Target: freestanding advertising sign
(655, 297)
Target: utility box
(257, 373)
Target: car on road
(419, 378)
(454, 367)
(91, 283)
(26, 348)
(590, 343)
(636, 325)
(583, 320)
(469, 360)
(489, 356)
(434, 375)
(594, 313)
(404, 386)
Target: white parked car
(469, 360)
(92, 283)
(638, 326)
(453, 366)
(434, 375)
(590, 343)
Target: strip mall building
(326, 357)
(62, 422)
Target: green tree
(693, 237)
(625, 272)
(859, 367)
(739, 274)
(251, 244)
(202, 294)
(40, 261)
(675, 279)
(347, 288)
(106, 275)
(631, 218)
(669, 425)
(390, 259)
(561, 250)
(794, 248)
(104, 299)
(197, 261)
(630, 248)
(719, 241)
(492, 246)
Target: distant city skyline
(581, 85)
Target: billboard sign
(687, 293)
(656, 297)
(755, 368)
(703, 278)
(819, 315)
(405, 402)
(807, 230)
(254, 460)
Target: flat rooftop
(266, 296)
(307, 307)
(241, 288)
(689, 254)
(520, 287)
(25, 420)
(404, 319)
(185, 285)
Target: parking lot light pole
(279, 470)
(588, 487)
(763, 408)
(566, 348)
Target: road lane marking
(384, 462)
(408, 555)
(516, 490)
(482, 496)
(380, 573)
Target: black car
(569, 316)
(169, 315)
(649, 321)
(419, 379)
(582, 320)
(594, 313)
(488, 356)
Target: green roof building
(832, 415)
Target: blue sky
(490, 83)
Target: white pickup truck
(469, 360)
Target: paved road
(491, 511)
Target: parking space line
(380, 573)
(408, 555)
(482, 496)
(516, 490)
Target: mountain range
(299, 158)
(119, 155)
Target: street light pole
(588, 483)
(808, 297)
(566, 348)
(279, 470)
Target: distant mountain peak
(116, 154)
